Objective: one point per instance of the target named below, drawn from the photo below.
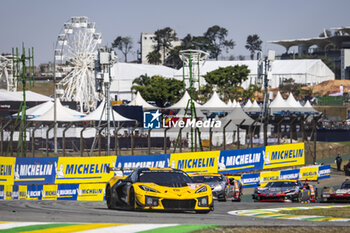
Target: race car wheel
(111, 204)
(132, 198)
(222, 199)
(300, 197)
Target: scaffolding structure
(192, 60)
(23, 71)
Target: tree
(153, 58)
(143, 80)
(159, 89)
(174, 60)
(227, 79)
(163, 38)
(251, 91)
(253, 44)
(216, 36)
(228, 76)
(124, 44)
(188, 42)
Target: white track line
(9, 225)
(131, 228)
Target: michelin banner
(35, 171)
(191, 162)
(310, 173)
(7, 165)
(324, 172)
(284, 155)
(77, 170)
(234, 161)
(134, 161)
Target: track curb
(275, 213)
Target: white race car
(340, 195)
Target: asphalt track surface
(97, 212)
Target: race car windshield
(205, 179)
(281, 184)
(165, 178)
(345, 186)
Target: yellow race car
(158, 189)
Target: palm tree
(253, 44)
(153, 58)
(164, 37)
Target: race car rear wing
(121, 169)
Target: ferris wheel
(6, 65)
(75, 53)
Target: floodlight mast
(268, 62)
(6, 72)
(106, 58)
(192, 59)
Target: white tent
(308, 108)
(215, 104)
(139, 101)
(295, 105)
(303, 71)
(96, 115)
(254, 107)
(279, 104)
(235, 104)
(229, 103)
(181, 113)
(63, 114)
(237, 117)
(247, 105)
(182, 103)
(37, 110)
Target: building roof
(18, 96)
(125, 73)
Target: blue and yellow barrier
(84, 178)
(309, 173)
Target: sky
(38, 22)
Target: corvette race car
(286, 191)
(223, 188)
(158, 189)
(340, 195)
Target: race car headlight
(203, 201)
(148, 189)
(202, 189)
(151, 201)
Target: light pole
(268, 60)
